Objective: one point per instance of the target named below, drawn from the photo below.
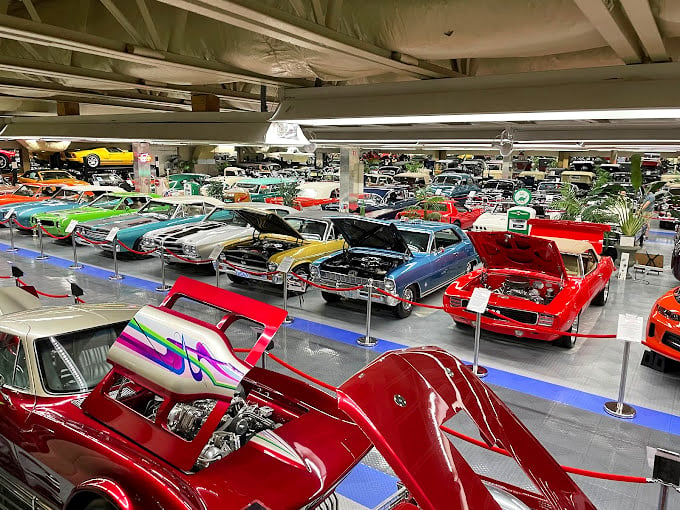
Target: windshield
(76, 362)
(106, 201)
(549, 186)
(310, 229)
(106, 179)
(447, 179)
(159, 209)
(26, 191)
(250, 186)
(67, 194)
(227, 217)
(416, 241)
(55, 175)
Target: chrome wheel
(92, 160)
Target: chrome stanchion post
(11, 248)
(288, 319)
(619, 408)
(114, 246)
(368, 340)
(163, 287)
(75, 264)
(216, 264)
(42, 255)
(663, 497)
(480, 372)
(478, 304)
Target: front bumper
(294, 284)
(359, 294)
(663, 336)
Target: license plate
(242, 274)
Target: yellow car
(102, 156)
(303, 236)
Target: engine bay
(264, 247)
(537, 290)
(361, 265)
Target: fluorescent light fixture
(285, 134)
(655, 113)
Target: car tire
(236, 279)
(601, 298)
(4, 162)
(403, 310)
(569, 341)
(91, 161)
(100, 504)
(329, 297)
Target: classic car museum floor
(557, 393)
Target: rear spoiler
(577, 230)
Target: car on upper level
(106, 206)
(68, 197)
(197, 241)
(446, 211)
(6, 158)
(302, 236)
(407, 260)
(453, 185)
(663, 331)
(49, 177)
(540, 286)
(157, 213)
(100, 156)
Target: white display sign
(630, 328)
(71, 226)
(479, 300)
(112, 234)
(215, 252)
(286, 264)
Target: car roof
(90, 187)
(266, 180)
(123, 194)
(422, 226)
(57, 320)
(188, 198)
(256, 205)
(571, 246)
(316, 214)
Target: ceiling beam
(283, 26)
(150, 24)
(122, 20)
(20, 29)
(614, 28)
(641, 17)
(38, 68)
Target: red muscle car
(540, 285)
(448, 211)
(663, 328)
(158, 413)
(28, 192)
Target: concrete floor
(557, 393)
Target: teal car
(185, 184)
(263, 188)
(158, 213)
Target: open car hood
(506, 250)
(267, 222)
(418, 390)
(362, 233)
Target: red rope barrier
(246, 271)
(59, 296)
(414, 303)
(135, 251)
(4, 222)
(302, 374)
(194, 261)
(20, 225)
(89, 240)
(53, 236)
(80, 300)
(324, 287)
(3, 277)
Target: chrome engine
(239, 424)
(536, 290)
(361, 265)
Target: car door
(593, 279)
(449, 259)
(16, 402)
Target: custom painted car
(541, 284)
(102, 156)
(68, 197)
(197, 241)
(29, 192)
(157, 213)
(447, 211)
(663, 330)
(155, 411)
(410, 260)
(49, 177)
(262, 188)
(303, 236)
(107, 205)
(453, 185)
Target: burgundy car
(175, 420)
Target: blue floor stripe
(367, 486)
(645, 417)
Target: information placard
(286, 264)
(215, 252)
(112, 234)
(71, 226)
(630, 328)
(479, 300)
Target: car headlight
(676, 295)
(272, 266)
(314, 271)
(668, 314)
(189, 249)
(390, 285)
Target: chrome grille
(328, 277)
(93, 234)
(518, 315)
(246, 260)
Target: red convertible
(539, 285)
(447, 211)
(158, 413)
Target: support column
(65, 108)
(263, 98)
(506, 169)
(24, 160)
(205, 103)
(563, 159)
(351, 178)
(142, 166)
(613, 156)
(441, 154)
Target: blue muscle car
(410, 260)
(158, 213)
(453, 185)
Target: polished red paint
(572, 294)
(586, 231)
(664, 324)
(454, 213)
(418, 390)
